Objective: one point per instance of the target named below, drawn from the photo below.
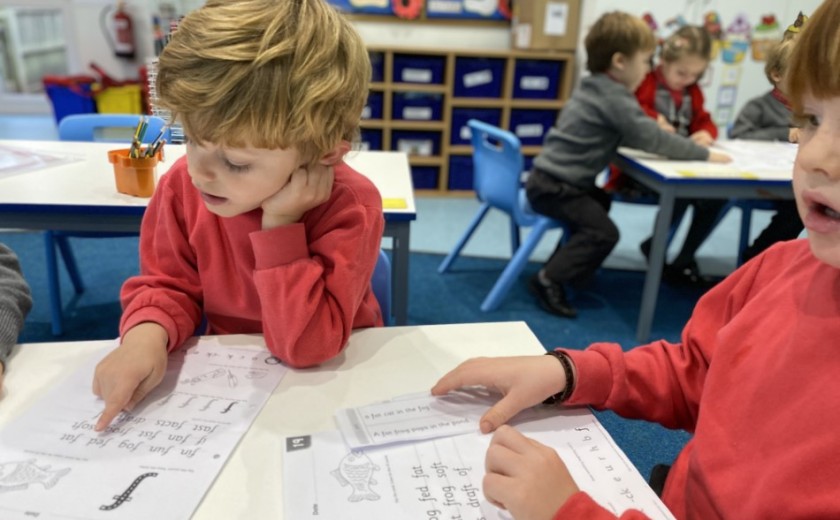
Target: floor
(441, 220)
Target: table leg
(655, 263)
(400, 233)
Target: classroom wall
(727, 86)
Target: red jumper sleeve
(312, 288)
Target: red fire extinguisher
(119, 32)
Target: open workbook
(419, 457)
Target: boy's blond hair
(267, 74)
(614, 32)
(688, 40)
(777, 59)
(816, 57)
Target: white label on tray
(533, 83)
(415, 113)
(417, 75)
(477, 78)
(529, 130)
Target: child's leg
(593, 233)
(785, 225)
(703, 221)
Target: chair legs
(516, 264)
(450, 258)
(51, 241)
(746, 224)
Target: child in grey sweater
(768, 118)
(601, 114)
(15, 302)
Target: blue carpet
(608, 309)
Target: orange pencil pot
(134, 176)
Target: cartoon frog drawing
(356, 469)
(19, 475)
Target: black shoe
(645, 248)
(551, 298)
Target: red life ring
(504, 9)
(407, 9)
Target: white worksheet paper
(441, 478)
(157, 461)
(14, 160)
(419, 416)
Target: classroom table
(81, 196)
(377, 364)
(693, 179)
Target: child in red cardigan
(754, 378)
(670, 95)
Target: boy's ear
(335, 155)
(618, 61)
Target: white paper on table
(157, 461)
(759, 156)
(421, 416)
(441, 478)
(15, 160)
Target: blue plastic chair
(93, 127)
(85, 127)
(497, 168)
(381, 283)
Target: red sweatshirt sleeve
(646, 94)
(581, 505)
(662, 382)
(700, 120)
(312, 289)
(168, 291)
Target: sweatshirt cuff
(593, 377)
(279, 246)
(155, 315)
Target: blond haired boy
(601, 114)
(768, 117)
(261, 228)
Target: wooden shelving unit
(522, 84)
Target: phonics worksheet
(440, 478)
(168, 450)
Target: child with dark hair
(601, 114)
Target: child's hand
(127, 374)
(793, 134)
(523, 380)
(305, 190)
(664, 124)
(525, 477)
(717, 157)
(703, 138)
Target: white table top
(377, 364)
(755, 161)
(89, 181)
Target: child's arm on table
(128, 373)
(312, 288)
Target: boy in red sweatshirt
(261, 228)
(754, 378)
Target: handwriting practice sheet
(440, 479)
(420, 416)
(157, 461)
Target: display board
(498, 10)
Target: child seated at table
(670, 94)
(15, 303)
(261, 228)
(601, 114)
(754, 378)
(768, 118)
